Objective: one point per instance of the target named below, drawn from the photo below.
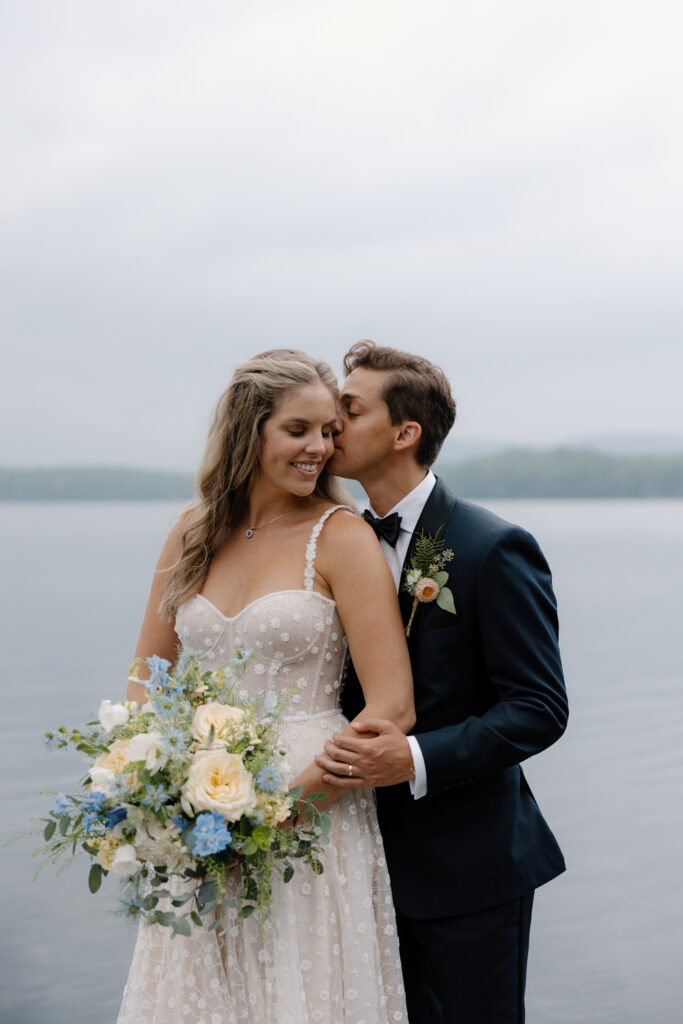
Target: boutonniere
(425, 579)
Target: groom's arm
(517, 614)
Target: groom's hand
(384, 759)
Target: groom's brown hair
(415, 389)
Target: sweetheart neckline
(273, 593)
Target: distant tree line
(566, 473)
(520, 473)
(96, 484)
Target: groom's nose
(337, 427)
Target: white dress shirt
(409, 509)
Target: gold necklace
(250, 531)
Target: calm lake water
(607, 936)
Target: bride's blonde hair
(230, 459)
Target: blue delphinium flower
(180, 821)
(268, 779)
(155, 797)
(115, 816)
(91, 808)
(158, 666)
(210, 834)
(61, 804)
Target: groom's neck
(387, 488)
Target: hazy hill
(81, 483)
(566, 473)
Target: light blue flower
(271, 703)
(155, 797)
(132, 908)
(268, 779)
(241, 656)
(61, 804)
(93, 801)
(210, 834)
(92, 808)
(158, 666)
(174, 740)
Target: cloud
(494, 184)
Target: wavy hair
(230, 459)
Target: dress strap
(309, 571)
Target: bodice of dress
(295, 637)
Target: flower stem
(412, 615)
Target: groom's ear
(408, 436)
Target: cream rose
(223, 717)
(218, 781)
(109, 765)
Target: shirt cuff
(418, 785)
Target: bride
(269, 557)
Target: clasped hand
(379, 756)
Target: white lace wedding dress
(330, 951)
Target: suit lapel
(435, 514)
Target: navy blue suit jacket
(489, 692)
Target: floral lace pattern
(329, 954)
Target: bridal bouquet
(180, 790)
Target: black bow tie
(386, 529)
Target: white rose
(102, 780)
(223, 717)
(218, 781)
(112, 714)
(125, 862)
(157, 842)
(147, 747)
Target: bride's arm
(351, 563)
(157, 635)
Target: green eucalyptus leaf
(165, 918)
(181, 926)
(441, 578)
(49, 830)
(63, 824)
(445, 600)
(95, 878)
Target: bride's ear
(408, 435)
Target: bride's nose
(317, 445)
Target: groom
(465, 841)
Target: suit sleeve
(517, 615)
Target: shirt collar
(410, 506)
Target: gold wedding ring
(350, 767)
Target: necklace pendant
(250, 532)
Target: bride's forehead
(304, 401)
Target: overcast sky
(496, 185)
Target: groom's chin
(335, 467)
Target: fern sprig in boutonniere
(425, 578)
